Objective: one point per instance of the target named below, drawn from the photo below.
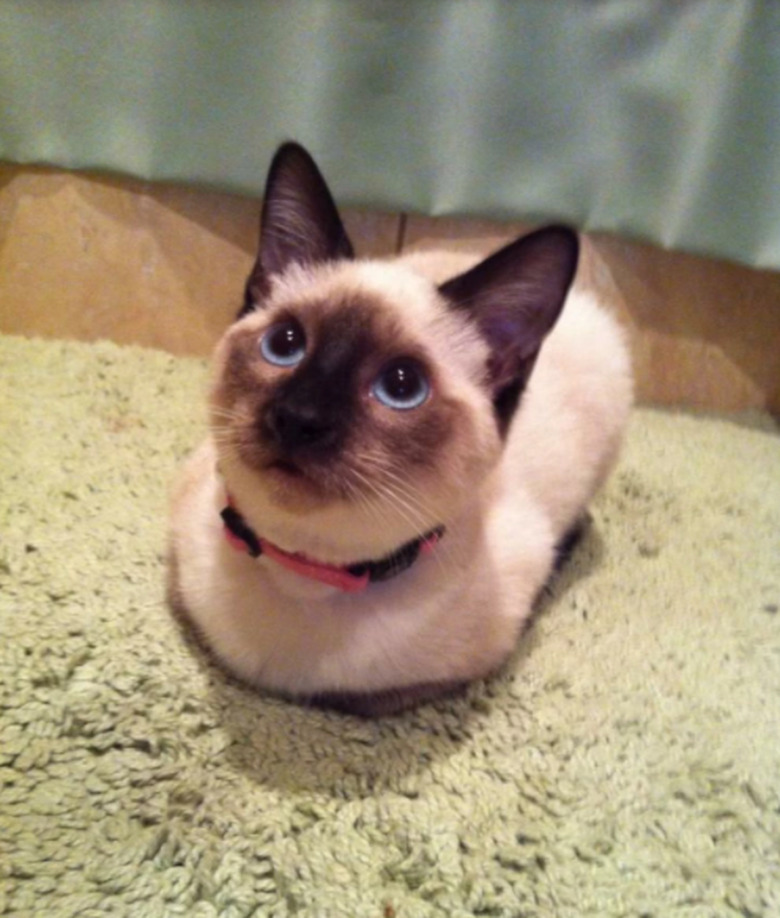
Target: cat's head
(359, 393)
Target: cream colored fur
(457, 613)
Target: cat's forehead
(363, 317)
(391, 306)
(380, 287)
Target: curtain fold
(644, 117)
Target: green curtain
(652, 118)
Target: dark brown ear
(515, 297)
(299, 224)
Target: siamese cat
(397, 449)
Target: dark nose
(298, 426)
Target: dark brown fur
(348, 345)
(382, 704)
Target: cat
(396, 449)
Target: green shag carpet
(625, 763)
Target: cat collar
(351, 578)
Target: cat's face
(356, 384)
(358, 395)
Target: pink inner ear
(516, 295)
(300, 223)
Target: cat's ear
(515, 297)
(300, 223)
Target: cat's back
(567, 432)
(584, 364)
(565, 437)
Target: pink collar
(352, 578)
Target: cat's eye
(284, 344)
(402, 385)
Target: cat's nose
(294, 427)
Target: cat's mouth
(289, 478)
(293, 480)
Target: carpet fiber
(625, 763)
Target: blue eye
(284, 344)
(402, 385)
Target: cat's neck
(352, 578)
(340, 533)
